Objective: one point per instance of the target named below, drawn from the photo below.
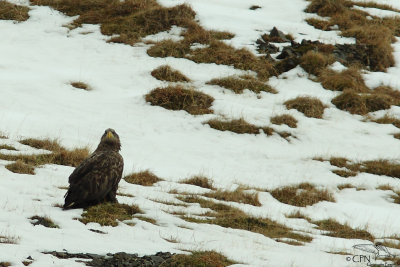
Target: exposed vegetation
(310, 106)
(7, 147)
(59, 155)
(10, 11)
(287, 119)
(5, 264)
(303, 195)
(344, 173)
(238, 84)
(109, 213)
(166, 73)
(345, 186)
(146, 178)
(319, 23)
(347, 79)
(200, 259)
(180, 98)
(45, 221)
(387, 119)
(376, 5)
(81, 85)
(337, 229)
(239, 126)
(239, 195)
(9, 239)
(314, 62)
(199, 181)
(20, 167)
(227, 216)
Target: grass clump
(239, 126)
(362, 104)
(387, 119)
(376, 5)
(81, 85)
(108, 214)
(238, 84)
(59, 155)
(287, 119)
(326, 8)
(166, 73)
(168, 48)
(146, 178)
(337, 229)
(7, 147)
(179, 98)
(20, 167)
(5, 264)
(346, 79)
(45, 221)
(320, 24)
(314, 62)
(303, 195)
(227, 216)
(199, 259)
(345, 186)
(310, 106)
(9, 239)
(10, 11)
(238, 196)
(199, 181)
(345, 173)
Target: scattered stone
(254, 7)
(97, 231)
(279, 34)
(117, 259)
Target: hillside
(255, 133)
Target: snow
(40, 58)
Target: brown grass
(346, 79)
(319, 24)
(344, 173)
(385, 187)
(166, 73)
(168, 48)
(238, 84)
(199, 181)
(239, 126)
(179, 98)
(287, 119)
(9, 239)
(314, 62)
(10, 11)
(81, 85)
(396, 135)
(7, 147)
(45, 221)
(362, 104)
(109, 213)
(227, 216)
(387, 119)
(20, 167)
(345, 186)
(199, 258)
(238, 196)
(326, 8)
(146, 178)
(5, 264)
(59, 154)
(310, 106)
(303, 195)
(376, 5)
(297, 215)
(342, 231)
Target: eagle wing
(93, 179)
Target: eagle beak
(110, 135)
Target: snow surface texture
(39, 59)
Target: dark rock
(277, 33)
(97, 231)
(254, 7)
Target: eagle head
(110, 139)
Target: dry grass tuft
(344, 173)
(5, 264)
(227, 216)
(20, 167)
(109, 213)
(239, 126)
(310, 106)
(314, 62)
(287, 119)
(199, 258)
(238, 196)
(179, 98)
(385, 187)
(319, 24)
(146, 178)
(297, 215)
(238, 84)
(345, 186)
(361, 104)
(326, 8)
(45, 221)
(346, 79)
(376, 5)
(303, 195)
(168, 48)
(199, 181)
(81, 85)
(47, 144)
(166, 73)
(387, 119)
(10, 11)
(9, 239)
(342, 231)
(7, 147)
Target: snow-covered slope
(39, 59)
